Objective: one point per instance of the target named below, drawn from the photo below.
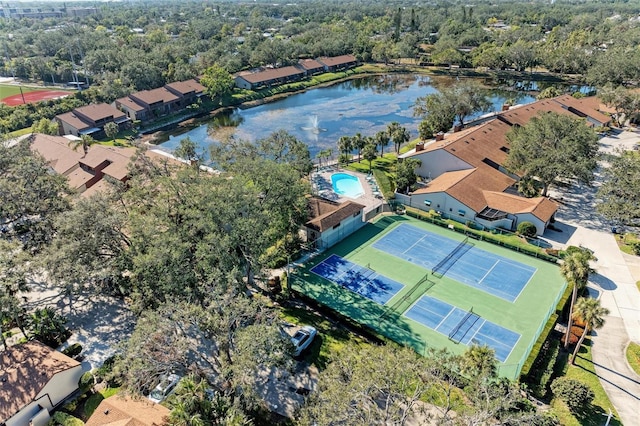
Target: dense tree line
(137, 46)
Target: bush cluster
(572, 392)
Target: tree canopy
(620, 190)
(552, 147)
(457, 101)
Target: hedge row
(537, 347)
(482, 235)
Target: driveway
(99, 323)
(613, 283)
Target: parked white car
(303, 338)
(164, 388)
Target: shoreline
(154, 137)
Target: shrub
(527, 229)
(106, 373)
(72, 350)
(86, 381)
(572, 392)
(64, 419)
(543, 367)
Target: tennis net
(462, 328)
(451, 257)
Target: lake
(319, 117)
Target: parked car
(303, 338)
(165, 387)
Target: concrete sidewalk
(613, 283)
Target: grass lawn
(584, 371)
(11, 89)
(94, 400)
(384, 170)
(330, 339)
(17, 133)
(633, 356)
(626, 242)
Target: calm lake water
(319, 117)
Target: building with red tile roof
(34, 379)
(125, 411)
(465, 174)
(83, 171)
(90, 120)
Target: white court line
(453, 308)
(414, 244)
(478, 330)
(488, 272)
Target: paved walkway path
(613, 282)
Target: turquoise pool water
(347, 185)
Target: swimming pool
(347, 185)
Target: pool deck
(321, 186)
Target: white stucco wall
(347, 227)
(528, 217)
(59, 388)
(435, 163)
(442, 202)
(242, 83)
(505, 223)
(67, 129)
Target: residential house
(84, 172)
(338, 63)
(464, 173)
(268, 77)
(589, 108)
(156, 103)
(90, 120)
(466, 180)
(133, 110)
(311, 66)
(34, 380)
(125, 411)
(187, 91)
(330, 222)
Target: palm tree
(588, 311)
(576, 270)
(345, 145)
(398, 135)
(320, 155)
(479, 361)
(85, 142)
(381, 139)
(358, 142)
(370, 153)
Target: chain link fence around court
(479, 232)
(387, 325)
(513, 370)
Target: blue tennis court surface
(464, 327)
(486, 271)
(358, 279)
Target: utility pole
(73, 72)
(84, 67)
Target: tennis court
(465, 263)
(359, 279)
(381, 276)
(463, 327)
